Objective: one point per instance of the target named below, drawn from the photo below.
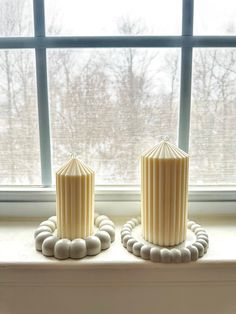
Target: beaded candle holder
(160, 254)
(47, 241)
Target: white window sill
(17, 247)
(116, 281)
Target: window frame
(40, 43)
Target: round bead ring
(51, 245)
(162, 254)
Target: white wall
(164, 289)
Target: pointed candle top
(165, 150)
(74, 167)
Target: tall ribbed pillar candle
(75, 200)
(164, 194)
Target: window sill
(17, 248)
(64, 285)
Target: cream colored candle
(75, 200)
(164, 194)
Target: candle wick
(165, 138)
(73, 155)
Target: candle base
(51, 245)
(194, 247)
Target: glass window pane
(19, 138)
(109, 105)
(105, 17)
(16, 18)
(214, 17)
(213, 128)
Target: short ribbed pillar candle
(75, 200)
(164, 194)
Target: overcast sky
(162, 17)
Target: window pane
(213, 128)
(19, 138)
(214, 17)
(109, 105)
(105, 17)
(16, 18)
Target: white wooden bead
(123, 234)
(200, 229)
(131, 223)
(145, 251)
(190, 224)
(137, 248)
(48, 245)
(42, 229)
(175, 256)
(155, 254)
(78, 248)
(203, 238)
(165, 256)
(135, 221)
(201, 233)
(106, 222)
(40, 238)
(195, 226)
(125, 229)
(53, 219)
(130, 244)
(200, 248)
(49, 224)
(62, 249)
(99, 219)
(104, 238)
(194, 252)
(110, 230)
(204, 244)
(186, 255)
(128, 226)
(126, 239)
(93, 245)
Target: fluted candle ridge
(164, 194)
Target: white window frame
(14, 200)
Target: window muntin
(19, 138)
(105, 17)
